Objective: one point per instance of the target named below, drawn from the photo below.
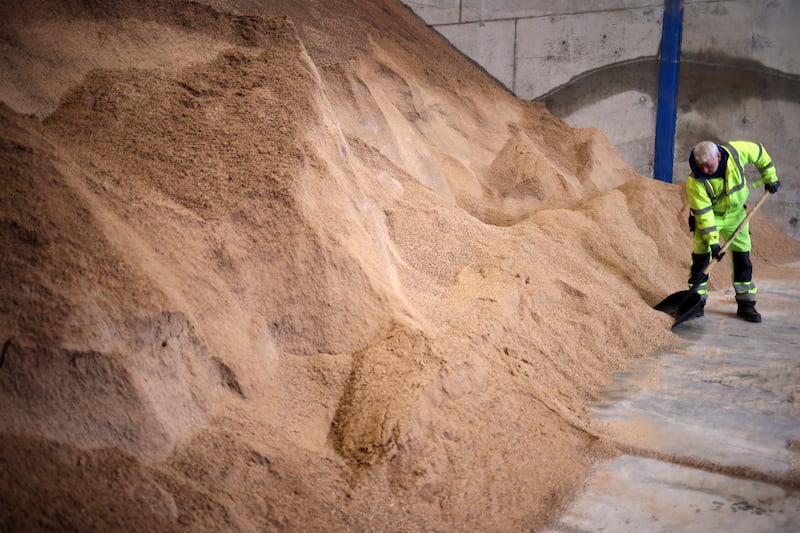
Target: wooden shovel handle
(750, 213)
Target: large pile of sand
(299, 265)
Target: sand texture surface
(300, 266)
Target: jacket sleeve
(750, 152)
(700, 206)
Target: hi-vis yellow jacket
(717, 196)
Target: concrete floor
(712, 428)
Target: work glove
(715, 252)
(772, 187)
(691, 223)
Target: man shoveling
(717, 191)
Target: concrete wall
(595, 63)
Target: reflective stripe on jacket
(711, 196)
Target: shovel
(684, 305)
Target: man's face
(710, 166)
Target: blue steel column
(668, 89)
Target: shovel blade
(681, 305)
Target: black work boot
(747, 310)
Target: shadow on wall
(719, 98)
